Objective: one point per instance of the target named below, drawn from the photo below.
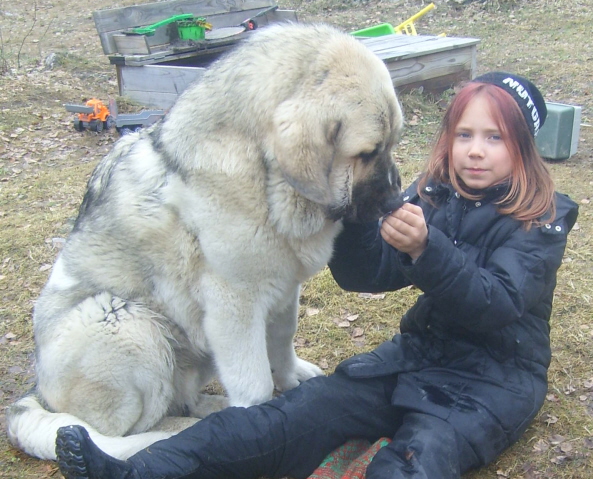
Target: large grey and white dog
(193, 237)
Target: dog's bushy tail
(33, 429)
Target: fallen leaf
(566, 447)
(338, 353)
(58, 242)
(357, 332)
(541, 446)
(551, 419)
(311, 311)
(528, 469)
(50, 469)
(371, 295)
(557, 439)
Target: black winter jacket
(475, 347)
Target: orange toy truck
(93, 115)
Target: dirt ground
(50, 55)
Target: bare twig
(18, 56)
(43, 36)
(3, 61)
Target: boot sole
(69, 452)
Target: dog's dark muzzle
(371, 203)
(392, 204)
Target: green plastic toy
(150, 29)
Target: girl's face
(480, 156)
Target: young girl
(482, 234)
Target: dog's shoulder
(134, 164)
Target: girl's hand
(405, 229)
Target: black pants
(291, 435)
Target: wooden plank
(430, 66)
(167, 79)
(155, 85)
(276, 16)
(391, 41)
(435, 71)
(437, 84)
(399, 47)
(192, 54)
(435, 63)
(116, 20)
(152, 99)
(131, 44)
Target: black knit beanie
(525, 93)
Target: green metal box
(559, 137)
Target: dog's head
(335, 133)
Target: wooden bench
(432, 62)
(154, 70)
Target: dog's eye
(368, 157)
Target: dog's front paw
(302, 371)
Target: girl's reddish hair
(531, 189)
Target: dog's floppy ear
(304, 146)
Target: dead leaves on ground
(559, 448)
(347, 320)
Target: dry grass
(44, 165)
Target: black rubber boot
(79, 458)
(424, 447)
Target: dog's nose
(393, 203)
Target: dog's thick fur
(193, 238)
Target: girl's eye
(462, 134)
(496, 137)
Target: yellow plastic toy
(404, 28)
(408, 27)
